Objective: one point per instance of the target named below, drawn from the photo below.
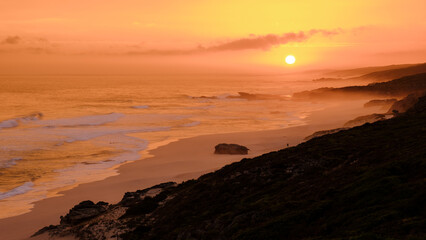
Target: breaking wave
(141, 107)
(14, 122)
(92, 120)
(28, 186)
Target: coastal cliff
(366, 182)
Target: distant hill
(396, 88)
(356, 72)
(386, 75)
(367, 182)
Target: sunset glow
(201, 119)
(202, 36)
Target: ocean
(60, 131)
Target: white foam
(141, 107)
(83, 172)
(202, 107)
(28, 186)
(128, 148)
(223, 96)
(31, 117)
(92, 120)
(191, 124)
(10, 163)
(9, 123)
(14, 122)
(78, 134)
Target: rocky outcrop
(84, 211)
(87, 220)
(384, 103)
(224, 148)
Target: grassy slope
(364, 183)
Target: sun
(290, 59)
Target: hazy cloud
(11, 40)
(31, 45)
(254, 42)
(39, 45)
(266, 42)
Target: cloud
(253, 42)
(266, 42)
(11, 40)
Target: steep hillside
(366, 182)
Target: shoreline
(177, 161)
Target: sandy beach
(178, 161)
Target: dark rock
(147, 205)
(132, 198)
(83, 212)
(224, 148)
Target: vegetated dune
(366, 182)
(396, 88)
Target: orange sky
(137, 36)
